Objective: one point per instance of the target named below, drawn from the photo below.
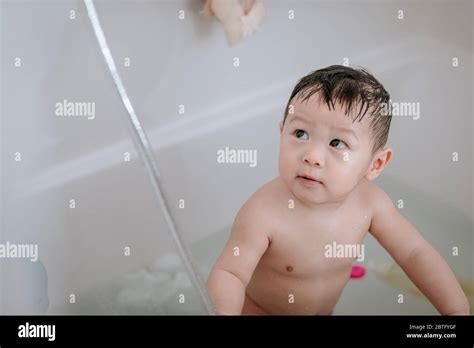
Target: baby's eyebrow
(296, 117)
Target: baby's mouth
(309, 180)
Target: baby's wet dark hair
(356, 90)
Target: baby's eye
(337, 144)
(300, 133)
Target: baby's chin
(308, 195)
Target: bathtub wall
(166, 62)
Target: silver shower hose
(143, 146)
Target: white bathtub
(173, 63)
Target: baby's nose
(314, 157)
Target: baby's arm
(420, 261)
(234, 268)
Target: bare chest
(317, 246)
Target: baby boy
(332, 147)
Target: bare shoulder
(373, 191)
(380, 205)
(376, 198)
(260, 209)
(391, 229)
(265, 195)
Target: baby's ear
(379, 162)
(207, 9)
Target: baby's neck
(327, 207)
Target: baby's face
(325, 145)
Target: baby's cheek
(349, 161)
(351, 174)
(285, 163)
(343, 176)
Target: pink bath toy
(357, 271)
